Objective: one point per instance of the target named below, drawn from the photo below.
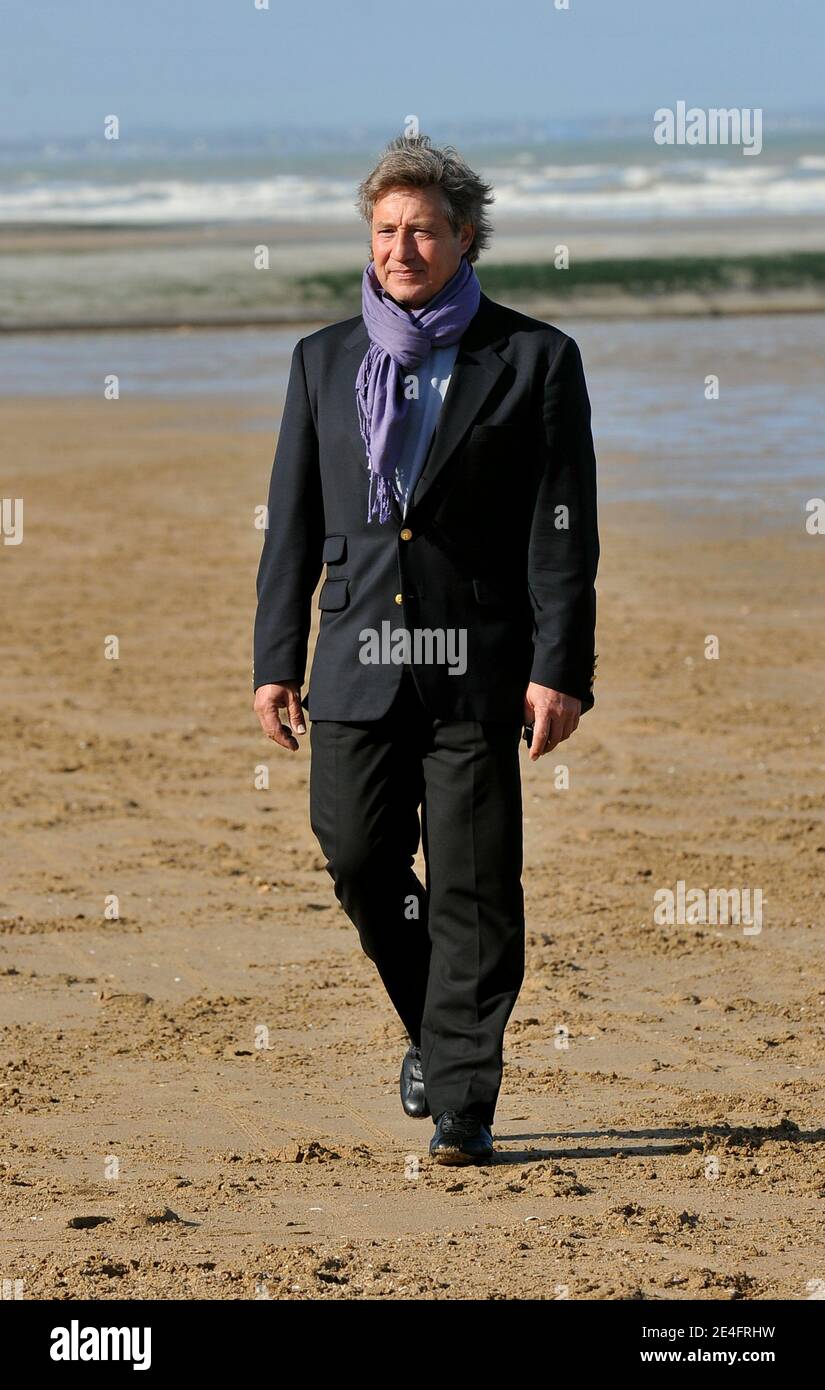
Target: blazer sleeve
(564, 541)
(290, 563)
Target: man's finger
(555, 733)
(282, 735)
(295, 713)
(267, 717)
(559, 727)
(540, 732)
(566, 725)
(270, 722)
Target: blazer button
(406, 534)
(399, 598)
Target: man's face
(414, 248)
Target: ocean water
(631, 178)
(761, 442)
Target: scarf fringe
(380, 490)
(380, 498)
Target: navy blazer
(500, 538)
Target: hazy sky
(201, 65)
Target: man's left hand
(554, 717)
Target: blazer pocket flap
(494, 431)
(334, 594)
(335, 549)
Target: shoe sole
(458, 1157)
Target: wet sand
(81, 277)
(660, 1132)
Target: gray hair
(410, 161)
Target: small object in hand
(527, 734)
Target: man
(435, 454)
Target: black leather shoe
(413, 1098)
(461, 1138)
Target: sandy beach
(200, 1095)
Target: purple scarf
(400, 340)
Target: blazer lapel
(476, 370)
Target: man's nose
(404, 246)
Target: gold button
(406, 534)
(399, 598)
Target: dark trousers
(450, 952)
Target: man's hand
(554, 717)
(271, 698)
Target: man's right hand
(269, 699)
